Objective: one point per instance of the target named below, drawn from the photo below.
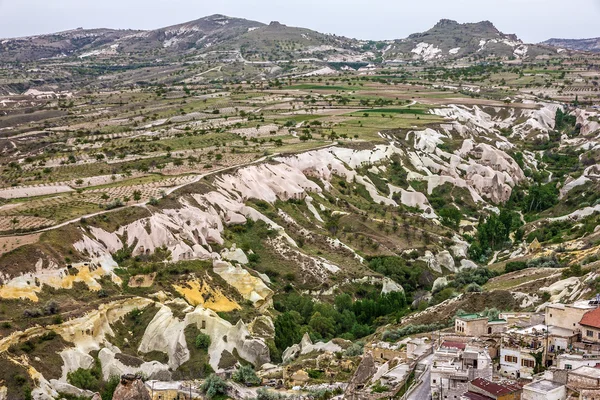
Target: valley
(227, 208)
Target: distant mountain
(449, 40)
(61, 44)
(575, 44)
(236, 39)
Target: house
(386, 353)
(584, 377)
(454, 365)
(558, 341)
(416, 348)
(544, 390)
(519, 349)
(471, 325)
(576, 359)
(585, 381)
(590, 326)
(163, 390)
(567, 316)
(299, 378)
(522, 319)
(495, 391)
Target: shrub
(515, 266)
(109, 387)
(83, 379)
(379, 388)
(573, 271)
(315, 374)
(264, 394)
(411, 330)
(213, 386)
(473, 288)
(356, 349)
(246, 375)
(51, 308)
(203, 341)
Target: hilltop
(449, 39)
(235, 39)
(575, 44)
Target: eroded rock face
(366, 369)
(165, 333)
(131, 387)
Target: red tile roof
(591, 318)
(495, 389)
(476, 396)
(454, 345)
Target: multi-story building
(522, 349)
(454, 365)
(519, 349)
(567, 316)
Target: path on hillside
(168, 192)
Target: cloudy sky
(532, 20)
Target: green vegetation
(347, 319)
(493, 234)
(213, 387)
(246, 375)
(202, 341)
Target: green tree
(450, 217)
(287, 330)
(213, 386)
(322, 325)
(84, 379)
(246, 375)
(203, 341)
(540, 198)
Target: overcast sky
(531, 20)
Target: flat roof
(589, 372)
(543, 385)
(470, 316)
(583, 305)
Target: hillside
(575, 44)
(450, 40)
(61, 44)
(222, 38)
(231, 197)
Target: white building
(454, 365)
(544, 390)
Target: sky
(532, 20)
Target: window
(590, 333)
(568, 367)
(511, 359)
(550, 315)
(528, 363)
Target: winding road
(423, 391)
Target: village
(553, 354)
